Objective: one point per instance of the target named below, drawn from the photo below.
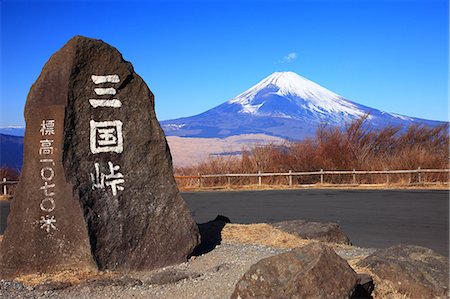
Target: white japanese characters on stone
(47, 223)
(47, 173)
(105, 79)
(46, 147)
(103, 91)
(106, 136)
(113, 179)
(47, 127)
(48, 204)
(113, 103)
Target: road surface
(371, 218)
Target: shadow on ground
(211, 234)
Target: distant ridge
(285, 105)
(11, 151)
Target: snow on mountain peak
(303, 92)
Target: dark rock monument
(97, 189)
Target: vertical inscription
(47, 174)
(106, 136)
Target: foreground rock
(97, 188)
(415, 271)
(312, 271)
(325, 232)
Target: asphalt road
(371, 218)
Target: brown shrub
(357, 146)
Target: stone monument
(97, 189)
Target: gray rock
(51, 286)
(415, 271)
(312, 271)
(97, 188)
(325, 232)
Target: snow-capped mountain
(286, 105)
(13, 130)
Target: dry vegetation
(355, 147)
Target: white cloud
(290, 57)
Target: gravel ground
(209, 276)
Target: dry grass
(355, 147)
(266, 234)
(67, 276)
(5, 197)
(262, 234)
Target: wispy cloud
(289, 57)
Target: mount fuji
(285, 105)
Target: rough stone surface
(312, 271)
(326, 232)
(92, 197)
(415, 271)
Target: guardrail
(321, 174)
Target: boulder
(312, 271)
(325, 232)
(97, 189)
(415, 271)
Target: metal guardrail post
(199, 180)
(387, 177)
(418, 175)
(354, 176)
(5, 191)
(290, 177)
(321, 176)
(259, 178)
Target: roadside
(264, 187)
(257, 187)
(210, 275)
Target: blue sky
(194, 55)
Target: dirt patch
(69, 277)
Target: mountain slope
(285, 105)
(11, 151)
